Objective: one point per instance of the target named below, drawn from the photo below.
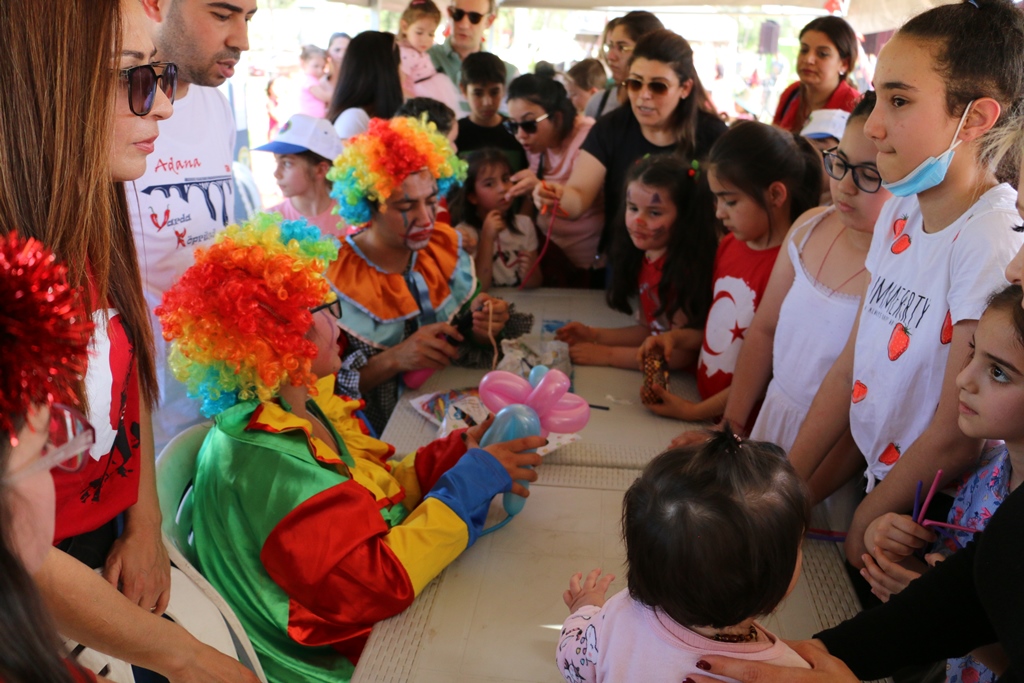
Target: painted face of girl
(650, 217)
(992, 383)
(739, 212)
(858, 210)
(492, 183)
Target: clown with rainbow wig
(300, 520)
(402, 279)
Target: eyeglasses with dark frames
(865, 176)
(334, 307)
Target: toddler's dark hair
(482, 68)
(713, 531)
(1009, 300)
(865, 105)
(438, 113)
(462, 210)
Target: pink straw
(955, 527)
(928, 498)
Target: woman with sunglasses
(83, 132)
(300, 520)
(618, 40)
(369, 85)
(828, 52)
(668, 114)
(545, 122)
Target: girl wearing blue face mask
(949, 79)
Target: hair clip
(974, 2)
(739, 439)
(694, 169)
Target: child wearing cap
(824, 129)
(305, 149)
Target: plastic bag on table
(519, 356)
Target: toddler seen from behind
(713, 540)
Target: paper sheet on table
(458, 408)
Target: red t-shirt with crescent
(740, 278)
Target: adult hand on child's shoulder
(824, 668)
(590, 591)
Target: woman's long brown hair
(58, 66)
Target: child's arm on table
(688, 411)
(941, 446)
(612, 346)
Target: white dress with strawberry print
(921, 285)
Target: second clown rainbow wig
(377, 162)
(238, 318)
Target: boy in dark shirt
(483, 86)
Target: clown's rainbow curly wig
(238, 318)
(377, 162)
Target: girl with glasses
(937, 253)
(828, 53)
(668, 114)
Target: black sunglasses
(333, 306)
(458, 14)
(143, 81)
(636, 85)
(865, 177)
(529, 127)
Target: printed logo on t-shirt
(731, 312)
(214, 191)
(898, 307)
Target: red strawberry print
(899, 226)
(890, 455)
(946, 335)
(901, 244)
(860, 390)
(899, 341)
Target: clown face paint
(408, 222)
(650, 215)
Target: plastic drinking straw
(954, 527)
(928, 498)
(917, 501)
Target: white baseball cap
(304, 133)
(826, 123)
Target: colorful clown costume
(311, 549)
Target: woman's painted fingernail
(703, 666)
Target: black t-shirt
(617, 141)
(974, 598)
(472, 137)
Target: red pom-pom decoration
(44, 330)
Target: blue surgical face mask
(931, 171)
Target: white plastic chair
(175, 469)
